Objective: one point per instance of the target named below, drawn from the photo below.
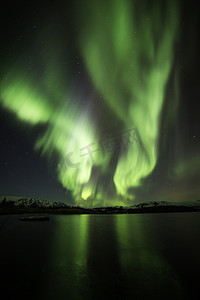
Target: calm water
(150, 256)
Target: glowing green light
(129, 59)
(28, 103)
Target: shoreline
(106, 210)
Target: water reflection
(101, 256)
(144, 269)
(113, 255)
(104, 272)
(67, 267)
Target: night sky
(99, 101)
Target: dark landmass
(38, 206)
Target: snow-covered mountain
(12, 201)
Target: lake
(143, 256)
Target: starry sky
(99, 101)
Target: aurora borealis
(86, 75)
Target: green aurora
(127, 50)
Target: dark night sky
(22, 170)
(25, 172)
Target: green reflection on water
(68, 259)
(118, 255)
(144, 268)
